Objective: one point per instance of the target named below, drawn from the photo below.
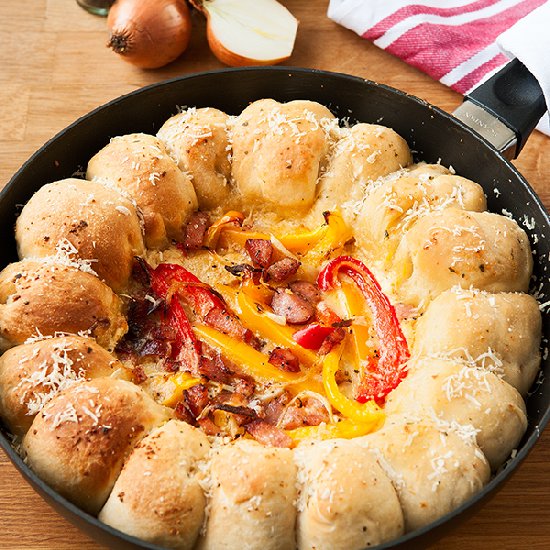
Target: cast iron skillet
(433, 134)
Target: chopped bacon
(325, 315)
(213, 367)
(260, 251)
(195, 230)
(138, 375)
(244, 387)
(308, 291)
(268, 435)
(331, 340)
(196, 399)
(275, 408)
(281, 270)
(285, 360)
(294, 308)
(242, 415)
(182, 413)
(208, 426)
(306, 411)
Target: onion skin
(149, 33)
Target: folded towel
(461, 43)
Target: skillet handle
(505, 109)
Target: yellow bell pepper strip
(229, 219)
(337, 235)
(345, 429)
(239, 236)
(385, 373)
(367, 413)
(304, 240)
(250, 361)
(360, 335)
(318, 243)
(182, 381)
(252, 315)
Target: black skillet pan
(514, 106)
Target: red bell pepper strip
(385, 373)
(209, 308)
(200, 297)
(186, 348)
(312, 336)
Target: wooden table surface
(54, 67)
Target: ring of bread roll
(108, 446)
(158, 496)
(32, 374)
(346, 499)
(198, 139)
(139, 165)
(252, 496)
(279, 151)
(454, 247)
(43, 298)
(434, 469)
(391, 208)
(86, 221)
(501, 332)
(79, 441)
(467, 395)
(364, 153)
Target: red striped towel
(453, 41)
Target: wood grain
(54, 67)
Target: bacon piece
(244, 387)
(268, 435)
(208, 426)
(306, 411)
(281, 270)
(294, 308)
(331, 340)
(138, 375)
(275, 408)
(325, 315)
(182, 413)
(195, 230)
(260, 251)
(308, 291)
(196, 399)
(285, 360)
(242, 415)
(212, 366)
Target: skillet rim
(76, 515)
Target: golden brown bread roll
(157, 496)
(470, 396)
(139, 165)
(199, 142)
(454, 247)
(87, 221)
(433, 469)
(32, 374)
(79, 441)
(252, 498)
(391, 208)
(363, 154)
(500, 332)
(43, 298)
(278, 152)
(346, 500)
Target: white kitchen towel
(461, 43)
